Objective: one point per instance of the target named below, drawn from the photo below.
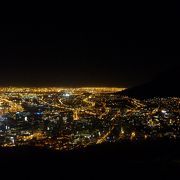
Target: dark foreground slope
(166, 84)
(145, 160)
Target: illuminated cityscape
(71, 118)
(92, 104)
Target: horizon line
(64, 87)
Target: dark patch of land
(143, 160)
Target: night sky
(40, 54)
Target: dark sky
(40, 54)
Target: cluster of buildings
(148, 119)
(65, 119)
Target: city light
(66, 95)
(71, 118)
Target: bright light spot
(163, 111)
(122, 131)
(12, 139)
(26, 118)
(66, 95)
(133, 135)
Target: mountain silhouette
(165, 84)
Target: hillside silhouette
(165, 84)
(140, 160)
